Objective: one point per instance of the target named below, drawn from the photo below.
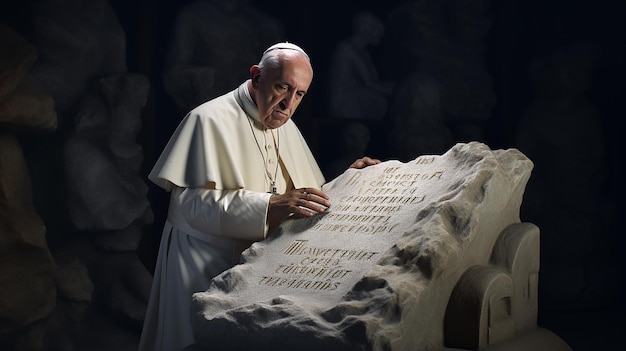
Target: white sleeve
(239, 214)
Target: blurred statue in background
(356, 90)
(562, 132)
(212, 45)
(447, 40)
(418, 118)
(103, 158)
(86, 181)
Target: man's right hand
(297, 203)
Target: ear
(255, 75)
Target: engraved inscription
(370, 208)
(314, 268)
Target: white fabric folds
(214, 144)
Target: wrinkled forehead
(296, 71)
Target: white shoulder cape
(214, 143)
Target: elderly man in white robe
(236, 167)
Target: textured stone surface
(28, 291)
(400, 244)
(26, 266)
(56, 287)
(102, 157)
(212, 45)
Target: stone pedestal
(424, 255)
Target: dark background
(520, 30)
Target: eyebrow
(292, 87)
(302, 91)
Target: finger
(358, 164)
(316, 202)
(309, 208)
(297, 215)
(364, 162)
(370, 161)
(316, 192)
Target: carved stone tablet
(400, 242)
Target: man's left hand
(364, 162)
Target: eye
(282, 87)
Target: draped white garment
(213, 168)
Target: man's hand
(364, 162)
(297, 203)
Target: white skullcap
(287, 46)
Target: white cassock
(215, 168)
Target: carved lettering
(424, 160)
(370, 209)
(300, 248)
(295, 283)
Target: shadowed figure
(418, 119)
(85, 183)
(211, 46)
(447, 40)
(356, 90)
(102, 158)
(561, 131)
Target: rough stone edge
(372, 291)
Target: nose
(288, 100)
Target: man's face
(279, 90)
